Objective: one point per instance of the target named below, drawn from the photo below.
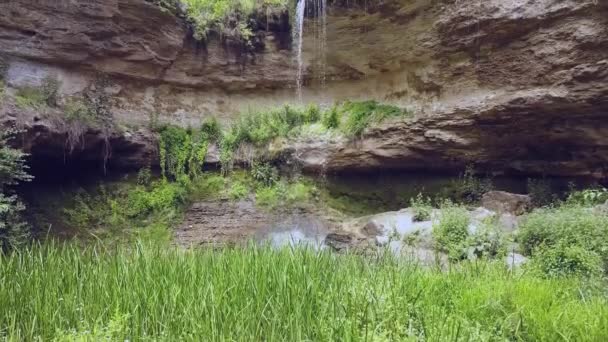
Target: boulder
(505, 202)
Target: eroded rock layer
(513, 86)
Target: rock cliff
(512, 86)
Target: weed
(566, 225)
(564, 260)
(588, 197)
(238, 190)
(452, 230)
(264, 173)
(422, 208)
(360, 115)
(331, 118)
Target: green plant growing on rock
(264, 173)
(422, 208)
(331, 118)
(13, 170)
(360, 115)
(452, 230)
(589, 197)
(182, 152)
(488, 241)
(211, 131)
(566, 225)
(46, 95)
(238, 190)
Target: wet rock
(505, 202)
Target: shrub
(452, 230)
(422, 208)
(264, 173)
(589, 197)
(162, 196)
(360, 115)
(238, 190)
(564, 260)
(488, 241)
(13, 170)
(468, 189)
(312, 114)
(567, 225)
(331, 118)
(211, 131)
(269, 196)
(182, 152)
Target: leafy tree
(13, 170)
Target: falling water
(298, 34)
(318, 30)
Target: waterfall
(318, 10)
(298, 35)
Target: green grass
(360, 115)
(214, 15)
(146, 293)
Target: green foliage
(488, 241)
(284, 194)
(468, 189)
(141, 292)
(564, 260)
(238, 190)
(566, 225)
(144, 176)
(264, 173)
(211, 131)
(30, 97)
(13, 170)
(227, 17)
(312, 114)
(182, 152)
(360, 115)
(422, 208)
(589, 197)
(123, 210)
(76, 109)
(331, 118)
(39, 97)
(208, 186)
(452, 230)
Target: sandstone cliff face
(513, 86)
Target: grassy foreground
(72, 293)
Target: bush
(452, 230)
(13, 170)
(588, 197)
(238, 190)
(488, 241)
(360, 115)
(264, 173)
(422, 208)
(211, 131)
(182, 151)
(567, 225)
(563, 260)
(468, 189)
(331, 118)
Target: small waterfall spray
(318, 10)
(298, 35)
